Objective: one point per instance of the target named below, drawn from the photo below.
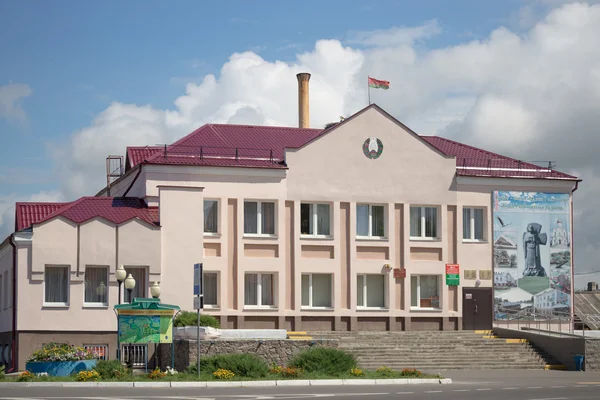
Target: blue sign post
(198, 303)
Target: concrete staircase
(440, 350)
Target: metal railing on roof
(503, 164)
(220, 152)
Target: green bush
(112, 369)
(324, 360)
(188, 318)
(242, 365)
(2, 368)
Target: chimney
(303, 111)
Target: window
(370, 221)
(259, 218)
(259, 290)
(96, 286)
(316, 290)
(210, 282)
(211, 216)
(423, 222)
(315, 219)
(370, 290)
(425, 291)
(56, 286)
(141, 285)
(472, 223)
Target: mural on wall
(532, 252)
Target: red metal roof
(263, 147)
(471, 161)
(136, 155)
(115, 210)
(227, 146)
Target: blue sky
(83, 79)
(79, 56)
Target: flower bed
(60, 360)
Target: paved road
(475, 385)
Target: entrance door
(477, 309)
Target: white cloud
(532, 95)
(396, 36)
(11, 96)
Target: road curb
(234, 384)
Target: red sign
(452, 269)
(399, 273)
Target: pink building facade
(349, 228)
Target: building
(550, 300)
(348, 228)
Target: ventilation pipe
(303, 109)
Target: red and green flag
(377, 84)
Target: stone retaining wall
(592, 354)
(271, 351)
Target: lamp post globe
(130, 285)
(155, 290)
(120, 275)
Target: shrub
(324, 360)
(61, 352)
(112, 369)
(188, 318)
(242, 365)
(156, 374)
(357, 372)
(26, 376)
(223, 374)
(2, 369)
(85, 376)
(411, 372)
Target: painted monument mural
(532, 253)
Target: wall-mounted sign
(470, 274)
(372, 147)
(399, 273)
(469, 296)
(452, 274)
(485, 275)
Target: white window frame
(364, 290)
(439, 288)
(259, 306)
(87, 304)
(57, 305)
(218, 283)
(370, 227)
(259, 218)
(218, 232)
(314, 218)
(423, 225)
(310, 292)
(472, 224)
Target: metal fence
(134, 355)
(101, 350)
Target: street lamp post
(130, 285)
(120, 275)
(155, 290)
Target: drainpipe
(13, 346)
